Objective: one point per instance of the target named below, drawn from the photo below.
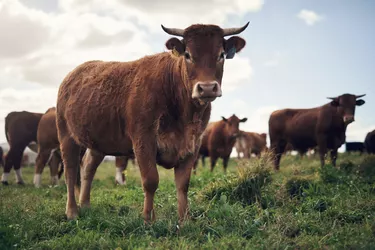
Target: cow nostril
(215, 88)
(200, 89)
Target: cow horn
(234, 31)
(358, 96)
(173, 31)
(332, 98)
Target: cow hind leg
(278, 151)
(70, 153)
(90, 163)
(121, 165)
(17, 166)
(213, 162)
(7, 167)
(40, 162)
(54, 164)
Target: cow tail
(6, 127)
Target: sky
(297, 53)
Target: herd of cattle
(160, 115)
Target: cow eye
(187, 56)
(221, 57)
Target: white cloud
(237, 71)
(271, 63)
(168, 12)
(310, 17)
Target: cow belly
(173, 148)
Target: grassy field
(300, 207)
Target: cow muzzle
(348, 119)
(206, 91)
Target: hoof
(71, 215)
(21, 183)
(5, 183)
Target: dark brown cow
(219, 139)
(324, 126)
(1, 157)
(251, 143)
(20, 131)
(370, 142)
(158, 106)
(49, 146)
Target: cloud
(169, 12)
(271, 63)
(310, 17)
(237, 71)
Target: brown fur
(370, 142)
(250, 142)
(20, 131)
(323, 126)
(1, 157)
(219, 139)
(146, 105)
(48, 142)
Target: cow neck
(177, 91)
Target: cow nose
(206, 90)
(348, 118)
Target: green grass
(252, 207)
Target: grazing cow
(218, 141)
(158, 106)
(20, 131)
(250, 142)
(354, 146)
(324, 126)
(49, 146)
(370, 142)
(1, 156)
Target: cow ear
(335, 103)
(243, 120)
(176, 45)
(359, 102)
(224, 119)
(233, 45)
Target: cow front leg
(182, 175)
(225, 164)
(213, 162)
(334, 157)
(322, 145)
(145, 152)
(90, 163)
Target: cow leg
(70, 153)
(278, 150)
(54, 168)
(203, 161)
(213, 162)
(195, 165)
(7, 167)
(90, 163)
(121, 165)
(225, 164)
(182, 175)
(322, 145)
(17, 166)
(146, 157)
(40, 162)
(334, 157)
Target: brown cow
(158, 106)
(324, 126)
(48, 144)
(219, 139)
(20, 130)
(250, 142)
(370, 142)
